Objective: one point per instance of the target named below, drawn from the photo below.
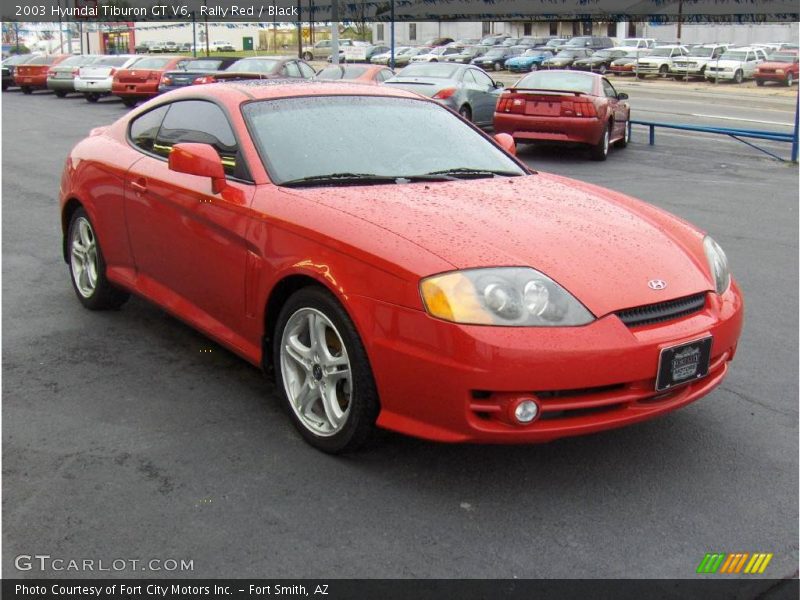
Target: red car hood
(601, 246)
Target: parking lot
(129, 435)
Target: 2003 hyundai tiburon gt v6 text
(428, 283)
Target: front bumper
(524, 128)
(711, 74)
(687, 71)
(454, 383)
(772, 76)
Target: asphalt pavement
(124, 437)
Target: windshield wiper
(363, 179)
(467, 173)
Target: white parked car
(436, 54)
(694, 64)
(636, 44)
(736, 64)
(94, 80)
(659, 61)
(221, 46)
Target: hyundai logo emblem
(657, 284)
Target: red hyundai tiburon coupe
(395, 266)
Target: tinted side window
(307, 71)
(482, 78)
(609, 90)
(200, 122)
(144, 128)
(292, 70)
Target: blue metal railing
(737, 134)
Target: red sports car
(32, 75)
(142, 79)
(565, 106)
(403, 271)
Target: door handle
(139, 185)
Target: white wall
(735, 34)
(145, 32)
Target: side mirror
(507, 143)
(201, 160)
(499, 85)
(622, 96)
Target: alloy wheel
(316, 372)
(83, 257)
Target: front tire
(90, 97)
(599, 151)
(789, 80)
(663, 70)
(88, 268)
(738, 76)
(626, 136)
(308, 56)
(323, 373)
(60, 94)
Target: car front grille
(662, 311)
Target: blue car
(530, 60)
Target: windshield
(554, 43)
(497, 52)
(532, 52)
(438, 70)
(567, 54)
(76, 60)
(734, 56)
(581, 41)
(341, 72)
(205, 64)
(662, 52)
(570, 81)
(701, 52)
(629, 42)
(152, 63)
(602, 54)
(783, 58)
(112, 61)
(398, 137)
(253, 65)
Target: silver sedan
(466, 89)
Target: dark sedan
(466, 55)
(565, 58)
(496, 57)
(200, 67)
(10, 64)
(261, 67)
(599, 62)
(465, 89)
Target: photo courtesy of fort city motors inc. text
(400, 299)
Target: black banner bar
(259, 11)
(705, 587)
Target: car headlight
(718, 263)
(506, 296)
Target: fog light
(526, 410)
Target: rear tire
(92, 97)
(129, 102)
(60, 94)
(789, 80)
(88, 268)
(760, 82)
(308, 56)
(465, 112)
(26, 90)
(599, 151)
(308, 367)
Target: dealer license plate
(682, 364)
